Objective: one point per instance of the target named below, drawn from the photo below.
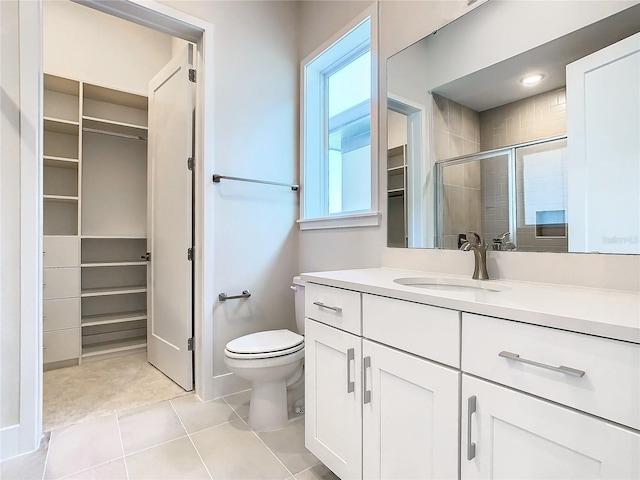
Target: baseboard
(227, 384)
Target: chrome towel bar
(223, 296)
(217, 178)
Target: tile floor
(182, 438)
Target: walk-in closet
(99, 208)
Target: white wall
(20, 245)
(88, 45)
(333, 249)
(255, 136)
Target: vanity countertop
(605, 313)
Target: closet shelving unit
(101, 200)
(61, 188)
(396, 196)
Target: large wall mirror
(519, 121)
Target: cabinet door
(61, 282)
(333, 429)
(410, 421)
(519, 436)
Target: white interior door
(170, 224)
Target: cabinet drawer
(60, 251)
(430, 332)
(60, 313)
(609, 388)
(333, 306)
(61, 345)
(61, 282)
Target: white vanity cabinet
(403, 384)
(333, 398)
(373, 411)
(409, 416)
(509, 434)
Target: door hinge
(191, 163)
(190, 253)
(191, 344)
(192, 75)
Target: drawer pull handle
(367, 392)
(322, 305)
(351, 385)
(562, 369)
(471, 409)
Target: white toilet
(272, 361)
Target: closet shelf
(60, 198)
(397, 192)
(60, 162)
(114, 346)
(59, 125)
(113, 237)
(399, 169)
(99, 292)
(106, 319)
(113, 264)
(61, 85)
(111, 126)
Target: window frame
(315, 96)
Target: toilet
(272, 361)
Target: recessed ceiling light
(531, 79)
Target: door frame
(167, 20)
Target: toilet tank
(298, 288)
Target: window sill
(369, 219)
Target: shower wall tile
(538, 117)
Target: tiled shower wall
(456, 131)
(476, 194)
(534, 118)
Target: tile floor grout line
(88, 468)
(124, 459)
(46, 457)
(272, 453)
(191, 440)
(153, 446)
(231, 407)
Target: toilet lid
(274, 342)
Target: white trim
(371, 12)
(417, 159)
(369, 219)
(25, 436)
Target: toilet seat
(267, 344)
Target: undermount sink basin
(451, 284)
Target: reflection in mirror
(552, 165)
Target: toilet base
(268, 407)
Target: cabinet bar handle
(471, 409)
(366, 362)
(351, 385)
(322, 305)
(562, 369)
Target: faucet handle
(504, 237)
(478, 238)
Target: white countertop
(605, 313)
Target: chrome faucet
(479, 254)
(502, 242)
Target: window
(338, 175)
